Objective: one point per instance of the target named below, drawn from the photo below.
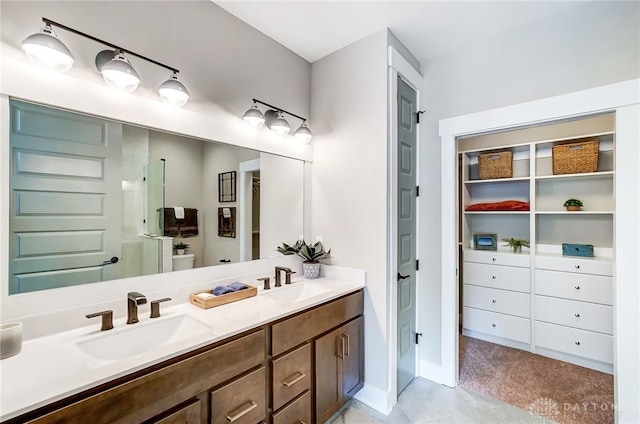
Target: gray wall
(589, 46)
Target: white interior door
(406, 288)
(65, 216)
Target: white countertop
(53, 367)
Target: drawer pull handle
(577, 266)
(493, 325)
(300, 422)
(576, 315)
(493, 301)
(493, 277)
(300, 375)
(577, 287)
(239, 412)
(577, 343)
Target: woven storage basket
(576, 158)
(495, 165)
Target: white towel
(226, 212)
(179, 212)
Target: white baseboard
(376, 398)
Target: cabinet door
(328, 371)
(353, 359)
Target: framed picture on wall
(227, 187)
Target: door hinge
(418, 115)
(417, 191)
(417, 336)
(417, 264)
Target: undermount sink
(139, 338)
(296, 292)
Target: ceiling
(314, 29)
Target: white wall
(349, 196)
(592, 45)
(223, 62)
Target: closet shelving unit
(539, 300)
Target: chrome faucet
(287, 275)
(133, 300)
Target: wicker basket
(496, 165)
(576, 158)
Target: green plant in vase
(311, 255)
(516, 244)
(180, 247)
(573, 204)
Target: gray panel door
(65, 206)
(406, 289)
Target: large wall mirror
(94, 200)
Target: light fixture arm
(280, 110)
(49, 22)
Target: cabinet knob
(577, 287)
(576, 315)
(493, 301)
(493, 259)
(493, 277)
(577, 343)
(577, 266)
(493, 325)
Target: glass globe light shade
(280, 126)
(254, 117)
(173, 92)
(45, 49)
(119, 74)
(303, 133)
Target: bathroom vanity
(299, 362)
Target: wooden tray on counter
(224, 298)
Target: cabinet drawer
(499, 325)
(190, 413)
(495, 258)
(569, 285)
(577, 342)
(587, 316)
(291, 375)
(496, 300)
(497, 276)
(240, 402)
(307, 325)
(299, 412)
(577, 265)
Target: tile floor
(424, 401)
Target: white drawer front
(497, 276)
(583, 343)
(587, 316)
(499, 325)
(577, 265)
(496, 300)
(495, 258)
(569, 285)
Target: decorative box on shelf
(570, 249)
(576, 158)
(208, 300)
(496, 165)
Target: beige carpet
(556, 390)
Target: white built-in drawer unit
(576, 265)
(498, 325)
(495, 258)
(497, 276)
(569, 285)
(583, 315)
(496, 300)
(586, 344)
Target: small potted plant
(312, 255)
(516, 244)
(573, 204)
(180, 247)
